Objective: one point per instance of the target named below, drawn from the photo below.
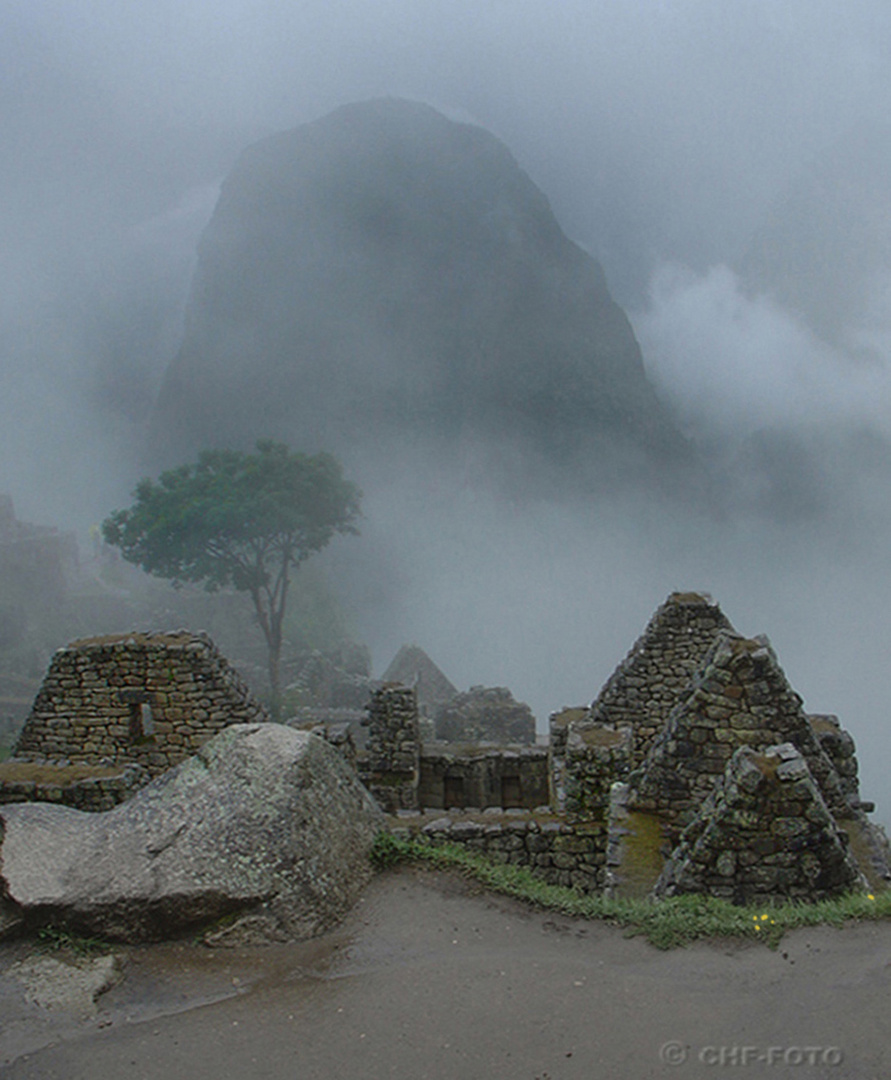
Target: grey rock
(72, 985)
(263, 819)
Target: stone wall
(102, 789)
(508, 778)
(553, 849)
(596, 757)
(764, 834)
(403, 774)
(741, 698)
(839, 747)
(648, 683)
(152, 699)
(391, 766)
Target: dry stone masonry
(83, 787)
(596, 757)
(510, 778)
(695, 770)
(148, 699)
(394, 748)
(763, 833)
(741, 698)
(555, 850)
(648, 683)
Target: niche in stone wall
(453, 792)
(511, 792)
(141, 722)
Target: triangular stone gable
(150, 698)
(655, 674)
(740, 698)
(764, 833)
(412, 667)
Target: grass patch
(664, 923)
(55, 939)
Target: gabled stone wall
(741, 698)
(152, 699)
(763, 834)
(648, 683)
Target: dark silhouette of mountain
(385, 280)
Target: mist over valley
(591, 300)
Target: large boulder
(264, 823)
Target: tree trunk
(275, 701)
(271, 625)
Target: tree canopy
(238, 520)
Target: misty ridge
(596, 324)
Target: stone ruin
(696, 769)
(115, 711)
(485, 714)
(411, 666)
(764, 830)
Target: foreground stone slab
(263, 822)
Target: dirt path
(428, 979)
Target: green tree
(242, 521)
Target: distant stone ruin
(412, 667)
(485, 714)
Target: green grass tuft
(55, 939)
(664, 923)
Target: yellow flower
(763, 917)
(757, 927)
(869, 896)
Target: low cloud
(731, 364)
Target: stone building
(696, 769)
(648, 683)
(143, 699)
(411, 666)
